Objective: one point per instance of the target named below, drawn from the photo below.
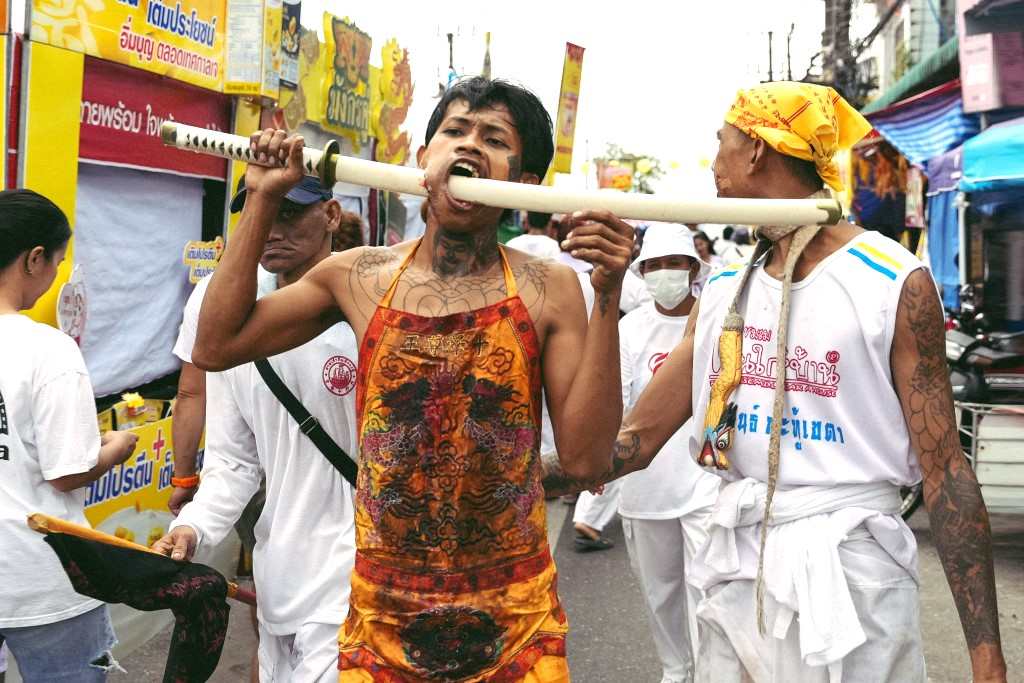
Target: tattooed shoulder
(370, 273)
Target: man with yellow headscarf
(817, 378)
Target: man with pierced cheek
(458, 337)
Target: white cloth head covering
(668, 239)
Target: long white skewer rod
(510, 195)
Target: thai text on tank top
(843, 420)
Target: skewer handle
(332, 167)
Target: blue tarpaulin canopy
(943, 224)
(925, 126)
(994, 159)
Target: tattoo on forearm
(625, 454)
(957, 511)
(603, 302)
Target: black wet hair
(29, 220)
(537, 219)
(532, 120)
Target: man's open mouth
(465, 169)
(462, 168)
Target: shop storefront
(86, 91)
(137, 204)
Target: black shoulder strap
(308, 424)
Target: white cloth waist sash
(802, 568)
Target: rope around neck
(802, 237)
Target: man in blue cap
(250, 433)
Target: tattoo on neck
(515, 167)
(457, 254)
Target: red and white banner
(123, 109)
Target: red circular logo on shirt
(339, 375)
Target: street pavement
(609, 640)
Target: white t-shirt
(48, 430)
(673, 484)
(305, 537)
(190, 319)
(540, 246)
(843, 422)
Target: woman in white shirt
(705, 250)
(665, 507)
(50, 447)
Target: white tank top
(843, 422)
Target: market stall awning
(927, 125)
(926, 74)
(994, 159)
(944, 224)
(944, 171)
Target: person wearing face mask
(664, 508)
(816, 377)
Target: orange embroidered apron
(453, 578)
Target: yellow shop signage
(180, 39)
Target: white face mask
(668, 287)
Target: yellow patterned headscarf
(809, 122)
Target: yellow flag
(565, 128)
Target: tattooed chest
(434, 296)
(429, 294)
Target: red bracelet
(185, 482)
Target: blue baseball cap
(308, 191)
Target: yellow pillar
(247, 122)
(48, 159)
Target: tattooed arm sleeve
(959, 519)
(660, 411)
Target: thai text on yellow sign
(346, 87)
(565, 126)
(202, 258)
(180, 39)
(130, 500)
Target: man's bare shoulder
(539, 269)
(550, 289)
(362, 262)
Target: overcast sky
(657, 76)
